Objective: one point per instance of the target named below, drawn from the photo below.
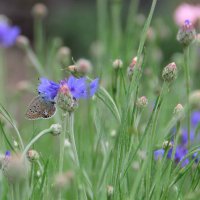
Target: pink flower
(187, 11)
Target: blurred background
(75, 21)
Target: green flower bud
(186, 33)
(56, 129)
(169, 72)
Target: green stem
(116, 25)
(12, 192)
(62, 147)
(62, 142)
(72, 139)
(39, 38)
(35, 139)
(187, 79)
(34, 60)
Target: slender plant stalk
(62, 141)
(187, 79)
(39, 38)
(35, 139)
(12, 192)
(65, 116)
(72, 139)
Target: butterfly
(40, 108)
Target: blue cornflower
(195, 118)
(184, 136)
(48, 89)
(158, 154)
(180, 154)
(79, 87)
(8, 34)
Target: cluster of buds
(186, 33)
(142, 102)
(81, 68)
(169, 72)
(117, 64)
(132, 68)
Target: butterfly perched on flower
(40, 108)
(44, 105)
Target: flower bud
(22, 42)
(186, 33)
(132, 68)
(63, 180)
(63, 55)
(195, 99)
(65, 100)
(169, 72)
(117, 64)
(167, 145)
(15, 168)
(110, 191)
(142, 102)
(83, 67)
(178, 109)
(33, 155)
(56, 129)
(39, 10)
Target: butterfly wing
(39, 108)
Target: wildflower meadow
(122, 123)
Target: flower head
(8, 34)
(184, 136)
(79, 88)
(186, 33)
(48, 89)
(195, 118)
(179, 156)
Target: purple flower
(184, 136)
(179, 156)
(195, 118)
(48, 89)
(80, 88)
(158, 154)
(8, 34)
(7, 154)
(94, 86)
